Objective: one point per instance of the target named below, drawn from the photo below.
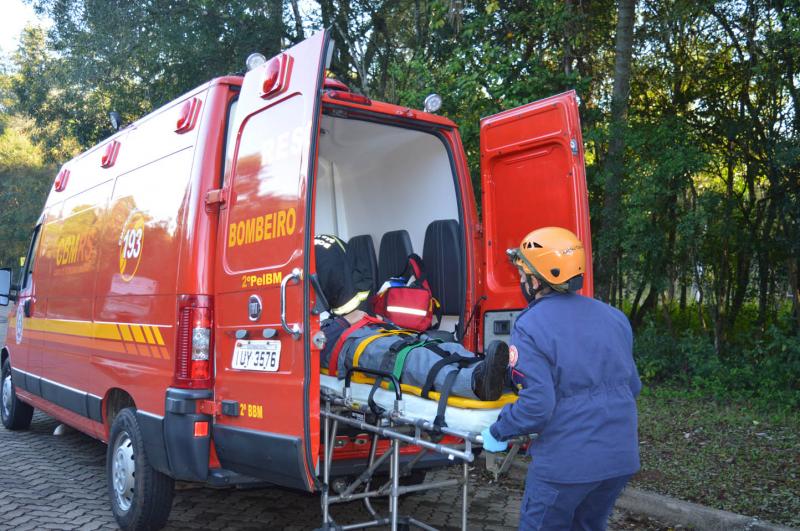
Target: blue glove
(490, 444)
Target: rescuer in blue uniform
(571, 359)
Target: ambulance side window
(27, 272)
(230, 139)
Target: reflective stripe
(347, 307)
(352, 304)
(410, 311)
(366, 341)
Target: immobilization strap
(333, 363)
(444, 395)
(400, 360)
(367, 340)
(451, 359)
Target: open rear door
(266, 400)
(533, 175)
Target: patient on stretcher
(354, 338)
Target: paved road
(58, 482)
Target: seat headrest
(444, 263)
(393, 256)
(361, 254)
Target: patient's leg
(482, 380)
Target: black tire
(141, 496)
(15, 413)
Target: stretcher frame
(387, 424)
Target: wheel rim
(123, 468)
(7, 395)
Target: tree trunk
(298, 22)
(614, 166)
(274, 45)
(569, 6)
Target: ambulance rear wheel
(15, 413)
(141, 496)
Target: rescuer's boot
(490, 374)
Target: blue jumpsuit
(578, 393)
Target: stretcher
(464, 414)
(375, 402)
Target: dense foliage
(693, 144)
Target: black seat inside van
(363, 262)
(393, 256)
(444, 265)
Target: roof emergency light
(349, 96)
(276, 79)
(254, 60)
(187, 117)
(433, 103)
(61, 180)
(110, 155)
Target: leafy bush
(762, 367)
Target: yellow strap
(366, 341)
(456, 401)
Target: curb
(679, 512)
(689, 514)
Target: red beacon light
(61, 180)
(187, 118)
(339, 91)
(110, 156)
(277, 74)
(334, 84)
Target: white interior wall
(375, 178)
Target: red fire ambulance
(168, 254)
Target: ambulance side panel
(70, 255)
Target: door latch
(216, 196)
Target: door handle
(26, 307)
(293, 277)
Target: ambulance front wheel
(15, 413)
(141, 496)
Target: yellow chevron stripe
(157, 334)
(145, 334)
(126, 332)
(148, 335)
(137, 333)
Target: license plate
(257, 356)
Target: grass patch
(729, 456)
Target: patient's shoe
(490, 374)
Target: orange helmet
(554, 256)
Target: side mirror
(5, 286)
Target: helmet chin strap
(529, 290)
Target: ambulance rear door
(266, 390)
(533, 175)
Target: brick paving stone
(58, 482)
